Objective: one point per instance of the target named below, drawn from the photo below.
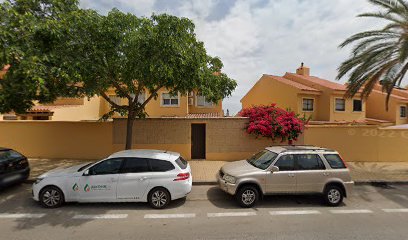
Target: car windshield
(8, 155)
(85, 166)
(262, 159)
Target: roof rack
(306, 148)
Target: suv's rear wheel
(333, 195)
(159, 198)
(247, 196)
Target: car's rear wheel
(247, 196)
(159, 198)
(333, 195)
(51, 197)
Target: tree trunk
(129, 130)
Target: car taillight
(343, 160)
(182, 177)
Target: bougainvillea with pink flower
(274, 123)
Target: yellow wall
(376, 108)
(90, 110)
(326, 108)
(69, 101)
(267, 91)
(316, 109)
(155, 109)
(348, 114)
(225, 139)
(49, 139)
(361, 143)
(215, 108)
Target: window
(170, 100)
(340, 104)
(334, 161)
(201, 102)
(182, 163)
(309, 162)
(8, 155)
(160, 165)
(357, 105)
(115, 99)
(140, 98)
(286, 163)
(135, 165)
(262, 159)
(308, 104)
(110, 166)
(403, 111)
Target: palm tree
(378, 56)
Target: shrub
(274, 123)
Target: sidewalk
(204, 171)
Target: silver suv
(287, 170)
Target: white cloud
(253, 37)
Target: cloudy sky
(253, 37)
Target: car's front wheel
(51, 197)
(333, 195)
(159, 198)
(247, 196)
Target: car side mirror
(86, 173)
(275, 169)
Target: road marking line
(231, 214)
(396, 210)
(297, 212)
(101, 216)
(22, 215)
(347, 211)
(155, 216)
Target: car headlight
(38, 180)
(229, 178)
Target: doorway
(198, 141)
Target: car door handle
(291, 174)
(113, 179)
(326, 174)
(142, 178)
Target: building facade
(315, 98)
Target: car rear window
(334, 161)
(182, 163)
(160, 165)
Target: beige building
(321, 100)
(88, 109)
(397, 106)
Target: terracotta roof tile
(292, 83)
(203, 115)
(321, 82)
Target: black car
(14, 167)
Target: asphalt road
(372, 212)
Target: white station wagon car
(152, 176)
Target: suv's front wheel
(247, 196)
(333, 195)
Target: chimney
(304, 71)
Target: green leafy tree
(378, 55)
(28, 36)
(131, 55)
